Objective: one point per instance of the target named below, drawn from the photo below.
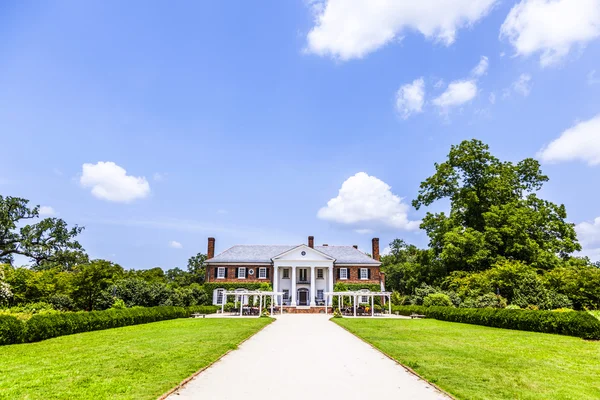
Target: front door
(302, 297)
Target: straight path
(306, 357)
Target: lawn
(595, 314)
(133, 362)
(478, 362)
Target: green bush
(46, 326)
(11, 329)
(437, 299)
(576, 323)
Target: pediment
(303, 253)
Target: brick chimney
(210, 253)
(325, 245)
(355, 246)
(311, 242)
(375, 242)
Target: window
(343, 273)
(364, 299)
(221, 273)
(219, 296)
(320, 294)
(319, 273)
(302, 275)
(262, 273)
(242, 273)
(286, 273)
(286, 294)
(364, 273)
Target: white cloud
(365, 202)
(481, 68)
(457, 93)
(551, 27)
(410, 98)
(591, 78)
(580, 142)
(522, 85)
(589, 236)
(111, 182)
(346, 29)
(492, 98)
(47, 211)
(176, 245)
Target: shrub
(45, 326)
(513, 307)
(437, 299)
(337, 313)
(488, 300)
(576, 323)
(11, 330)
(119, 304)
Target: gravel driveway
(305, 357)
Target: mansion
(303, 273)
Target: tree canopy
(495, 213)
(47, 243)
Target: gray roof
(264, 254)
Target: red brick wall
(354, 275)
(231, 276)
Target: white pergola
(261, 295)
(355, 294)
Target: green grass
(478, 362)
(595, 314)
(133, 362)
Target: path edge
(408, 369)
(195, 374)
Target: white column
(293, 303)
(354, 304)
(312, 286)
(272, 301)
(372, 305)
(330, 283)
(275, 279)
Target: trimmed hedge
(576, 323)
(46, 326)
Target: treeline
(499, 246)
(98, 284)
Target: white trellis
(354, 296)
(262, 299)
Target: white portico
(304, 275)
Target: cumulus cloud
(47, 211)
(591, 78)
(580, 142)
(347, 29)
(551, 27)
(410, 98)
(176, 245)
(492, 98)
(366, 202)
(457, 93)
(481, 68)
(589, 236)
(110, 182)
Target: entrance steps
(306, 310)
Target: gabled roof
(265, 253)
(327, 256)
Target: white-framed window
(262, 273)
(241, 273)
(320, 294)
(319, 273)
(286, 294)
(218, 296)
(364, 299)
(343, 273)
(286, 273)
(221, 273)
(364, 273)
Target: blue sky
(151, 122)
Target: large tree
(47, 243)
(494, 214)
